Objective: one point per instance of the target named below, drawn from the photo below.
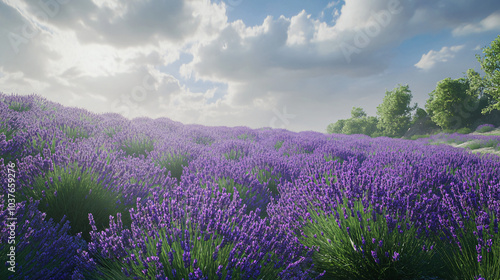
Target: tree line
(454, 105)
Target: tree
(335, 127)
(490, 63)
(452, 103)
(359, 123)
(362, 125)
(395, 111)
(357, 113)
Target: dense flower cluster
(156, 199)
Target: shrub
(415, 137)
(174, 163)
(464, 130)
(199, 236)
(74, 192)
(485, 128)
(473, 249)
(19, 106)
(43, 249)
(368, 245)
(74, 132)
(137, 146)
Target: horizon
(294, 65)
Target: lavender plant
(368, 244)
(73, 192)
(43, 249)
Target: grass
(19, 107)
(365, 246)
(74, 132)
(174, 163)
(136, 147)
(74, 192)
(476, 243)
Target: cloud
(112, 55)
(490, 23)
(430, 59)
(130, 23)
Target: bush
(485, 128)
(137, 146)
(44, 249)
(369, 246)
(415, 137)
(464, 130)
(74, 192)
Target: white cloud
(107, 55)
(492, 22)
(430, 59)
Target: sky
(297, 65)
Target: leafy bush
(174, 163)
(137, 146)
(43, 249)
(464, 130)
(473, 251)
(485, 128)
(74, 192)
(368, 245)
(415, 137)
(74, 132)
(19, 106)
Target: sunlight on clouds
(430, 59)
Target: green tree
(362, 125)
(419, 115)
(335, 127)
(395, 111)
(490, 63)
(357, 113)
(452, 103)
(359, 123)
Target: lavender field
(104, 197)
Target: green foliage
(485, 129)
(473, 145)
(74, 132)
(464, 130)
(395, 112)
(137, 146)
(359, 123)
(234, 154)
(462, 262)
(246, 136)
(336, 127)
(39, 144)
(9, 133)
(451, 103)
(203, 140)
(363, 125)
(19, 107)
(278, 145)
(174, 163)
(419, 115)
(362, 247)
(415, 137)
(265, 176)
(357, 113)
(490, 64)
(75, 192)
(201, 249)
(112, 130)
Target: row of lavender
(102, 197)
(475, 141)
